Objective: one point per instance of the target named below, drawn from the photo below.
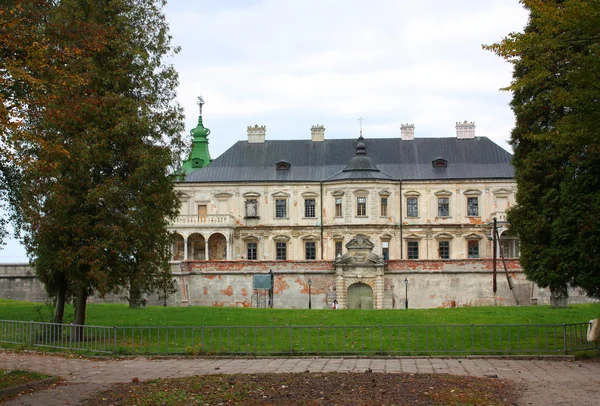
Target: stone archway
(359, 276)
(196, 247)
(217, 247)
(177, 247)
(360, 296)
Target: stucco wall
(230, 283)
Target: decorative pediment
(310, 195)
(359, 259)
(413, 237)
(472, 192)
(502, 192)
(310, 237)
(473, 236)
(281, 194)
(183, 196)
(223, 195)
(360, 241)
(384, 193)
(443, 193)
(281, 238)
(337, 193)
(444, 236)
(412, 193)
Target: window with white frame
(384, 207)
(309, 208)
(472, 206)
(361, 206)
(338, 207)
(251, 251)
(412, 207)
(443, 207)
(281, 208)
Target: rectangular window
(413, 249)
(412, 207)
(202, 209)
(252, 208)
(509, 247)
(280, 208)
(338, 248)
(309, 208)
(385, 250)
(473, 248)
(472, 206)
(251, 251)
(384, 206)
(361, 206)
(310, 248)
(338, 207)
(443, 207)
(281, 251)
(444, 249)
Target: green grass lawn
(122, 315)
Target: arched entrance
(177, 247)
(196, 247)
(360, 296)
(217, 247)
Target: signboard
(262, 282)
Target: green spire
(199, 155)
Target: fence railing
(474, 339)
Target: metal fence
(474, 339)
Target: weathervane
(361, 120)
(200, 102)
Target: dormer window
(282, 166)
(197, 163)
(439, 163)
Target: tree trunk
(135, 295)
(559, 299)
(59, 311)
(80, 306)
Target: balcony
(500, 216)
(211, 220)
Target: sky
(290, 65)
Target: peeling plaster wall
(230, 283)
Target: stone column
(206, 256)
(340, 288)
(185, 249)
(379, 290)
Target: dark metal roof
(477, 158)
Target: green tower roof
(199, 155)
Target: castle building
(267, 204)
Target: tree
(556, 142)
(95, 216)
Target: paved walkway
(550, 382)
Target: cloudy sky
(293, 64)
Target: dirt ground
(314, 389)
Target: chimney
(465, 131)
(256, 134)
(317, 133)
(408, 132)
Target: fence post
(472, 339)
(565, 338)
(291, 341)
(31, 333)
(115, 333)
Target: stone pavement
(549, 379)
